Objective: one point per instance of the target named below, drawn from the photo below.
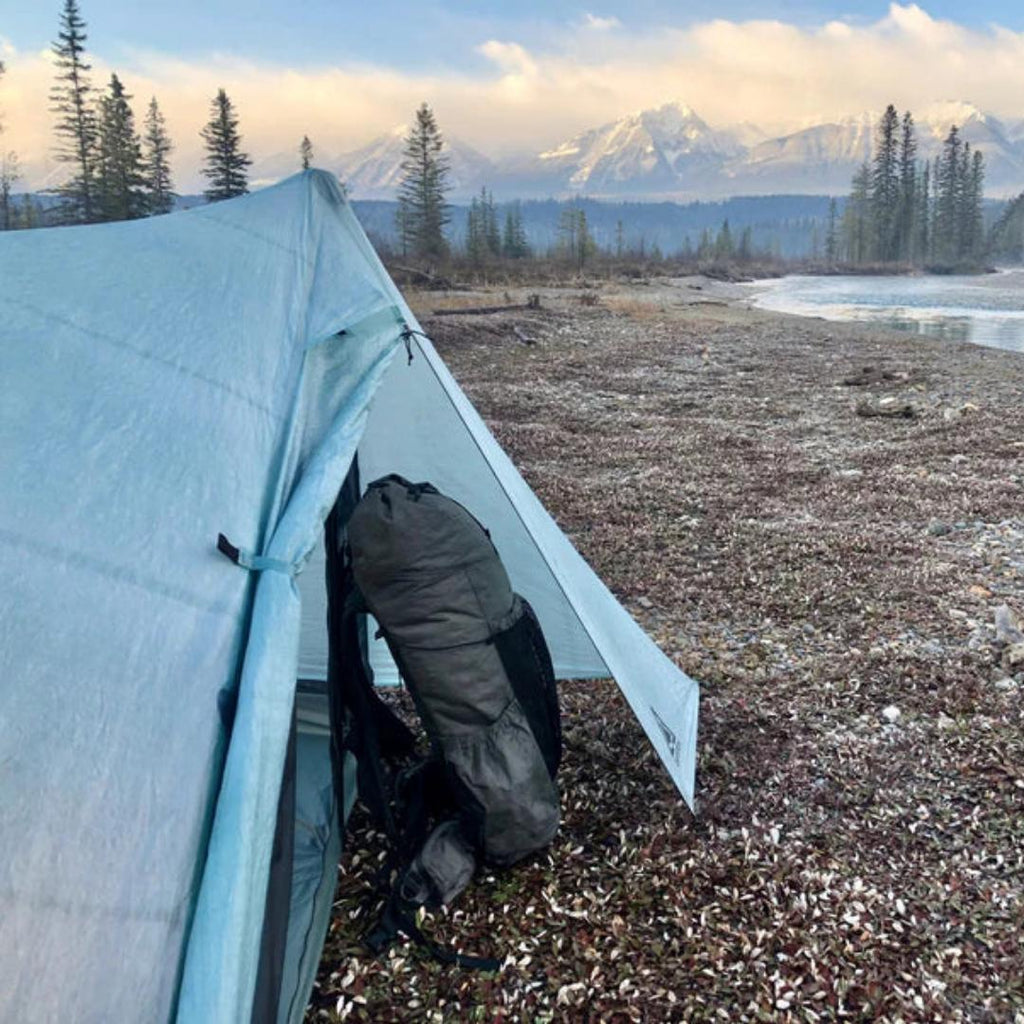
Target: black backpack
(474, 659)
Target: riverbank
(832, 579)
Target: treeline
(117, 171)
(424, 232)
(902, 210)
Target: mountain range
(671, 153)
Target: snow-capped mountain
(670, 152)
(375, 170)
(818, 159)
(657, 150)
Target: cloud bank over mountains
(525, 100)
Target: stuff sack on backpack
(474, 659)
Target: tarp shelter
(165, 381)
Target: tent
(166, 381)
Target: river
(987, 309)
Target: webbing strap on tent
(256, 563)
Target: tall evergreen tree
(424, 187)
(156, 167)
(306, 153)
(885, 190)
(120, 185)
(857, 218)
(949, 202)
(723, 242)
(831, 237)
(75, 126)
(923, 214)
(907, 187)
(476, 233)
(226, 163)
(575, 240)
(514, 244)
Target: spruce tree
(857, 218)
(75, 126)
(831, 238)
(120, 185)
(885, 191)
(423, 210)
(723, 242)
(907, 188)
(948, 203)
(476, 234)
(491, 229)
(923, 214)
(156, 166)
(306, 153)
(745, 250)
(226, 163)
(514, 243)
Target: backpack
(474, 659)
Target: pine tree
(75, 126)
(857, 221)
(575, 241)
(120, 184)
(514, 243)
(723, 242)
(619, 239)
(885, 191)
(476, 233)
(923, 214)
(907, 186)
(972, 188)
(424, 187)
(226, 163)
(948, 205)
(492, 232)
(306, 153)
(745, 250)
(156, 166)
(831, 238)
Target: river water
(987, 309)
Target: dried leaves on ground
(832, 581)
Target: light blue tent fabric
(165, 381)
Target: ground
(832, 581)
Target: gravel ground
(833, 581)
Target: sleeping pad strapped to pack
(473, 657)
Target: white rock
(892, 714)
(1006, 684)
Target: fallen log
(478, 310)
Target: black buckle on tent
(225, 547)
(255, 563)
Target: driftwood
(888, 407)
(522, 335)
(477, 310)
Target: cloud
(599, 24)
(532, 94)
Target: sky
(503, 77)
